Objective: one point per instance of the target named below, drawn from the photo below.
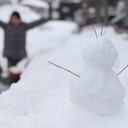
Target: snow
(102, 53)
(42, 97)
(99, 88)
(27, 15)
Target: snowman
(98, 88)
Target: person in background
(15, 37)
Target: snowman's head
(101, 53)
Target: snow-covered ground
(45, 98)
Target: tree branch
(122, 70)
(64, 69)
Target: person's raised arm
(2, 24)
(36, 23)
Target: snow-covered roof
(36, 3)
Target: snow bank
(42, 98)
(61, 26)
(51, 36)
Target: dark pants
(12, 62)
(12, 78)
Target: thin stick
(102, 29)
(95, 31)
(64, 69)
(122, 70)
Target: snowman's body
(98, 88)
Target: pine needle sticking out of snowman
(98, 88)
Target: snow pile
(51, 36)
(99, 88)
(42, 99)
(65, 27)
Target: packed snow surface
(45, 95)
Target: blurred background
(83, 12)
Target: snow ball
(101, 53)
(98, 90)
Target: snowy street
(49, 97)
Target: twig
(122, 70)
(95, 31)
(64, 69)
(102, 29)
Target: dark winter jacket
(15, 36)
